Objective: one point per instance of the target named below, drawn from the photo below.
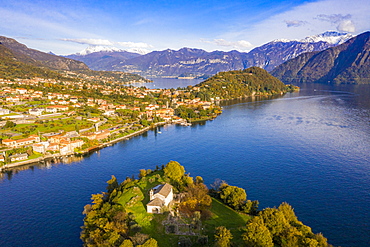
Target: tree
(149, 243)
(250, 207)
(142, 173)
(288, 212)
(139, 238)
(256, 234)
(198, 179)
(223, 236)
(196, 199)
(127, 243)
(291, 237)
(9, 124)
(322, 241)
(274, 221)
(112, 184)
(174, 171)
(77, 128)
(232, 195)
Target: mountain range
(289, 60)
(196, 62)
(18, 66)
(345, 63)
(40, 59)
(17, 61)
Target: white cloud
(309, 18)
(90, 41)
(346, 26)
(295, 23)
(134, 45)
(345, 23)
(334, 18)
(241, 44)
(105, 42)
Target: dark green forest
(253, 81)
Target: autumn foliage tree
(232, 195)
(174, 171)
(196, 199)
(257, 234)
(223, 237)
(280, 227)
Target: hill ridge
(348, 63)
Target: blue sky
(69, 26)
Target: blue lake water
(310, 149)
(168, 83)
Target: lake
(168, 83)
(310, 149)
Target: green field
(136, 197)
(223, 215)
(52, 125)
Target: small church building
(161, 195)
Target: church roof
(156, 202)
(164, 190)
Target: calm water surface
(310, 149)
(168, 83)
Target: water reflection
(46, 164)
(309, 148)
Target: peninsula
(167, 207)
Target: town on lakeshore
(47, 118)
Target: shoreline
(53, 157)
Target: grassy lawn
(135, 198)
(34, 156)
(225, 216)
(55, 125)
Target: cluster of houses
(65, 143)
(60, 102)
(65, 103)
(14, 157)
(55, 142)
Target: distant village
(43, 117)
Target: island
(168, 207)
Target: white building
(161, 195)
(4, 111)
(40, 147)
(35, 111)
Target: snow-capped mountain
(331, 37)
(98, 48)
(347, 63)
(102, 57)
(198, 62)
(138, 51)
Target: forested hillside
(12, 68)
(241, 83)
(19, 62)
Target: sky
(69, 26)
